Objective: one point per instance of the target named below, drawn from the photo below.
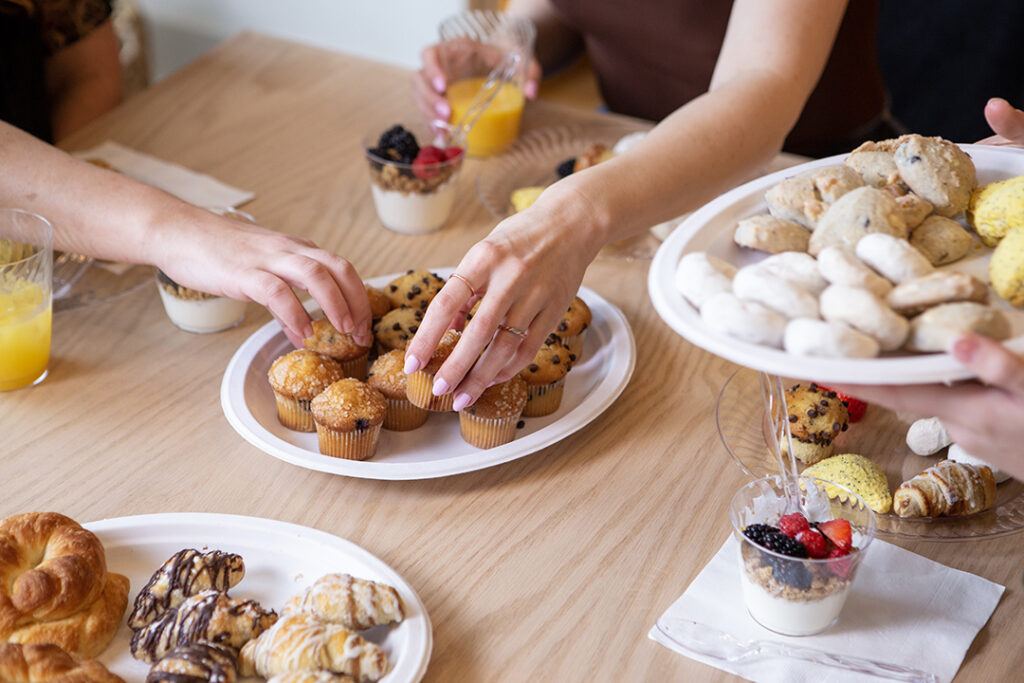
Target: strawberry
(840, 567)
(816, 544)
(424, 166)
(854, 406)
(792, 524)
(452, 152)
(839, 532)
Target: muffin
(388, 377)
(545, 378)
(415, 289)
(816, 417)
(348, 416)
(341, 347)
(395, 329)
(420, 384)
(573, 326)
(379, 302)
(296, 378)
(491, 421)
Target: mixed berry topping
(397, 144)
(797, 538)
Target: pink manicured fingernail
(461, 401)
(412, 364)
(438, 84)
(441, 387)
(307, 331)
(530, 90)
(964, 348)
(443, 110)
(346, 325)
(363, 339)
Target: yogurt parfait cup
(798, 564)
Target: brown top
(330, 342)
(395, 329)
(379, 302)
(349, 405)
(416, 289)
(303, 374)
(577, 318)
(387, 374)
(653, 56)
(443, 350)
(501, 401)
(552, 362)
(816, 415)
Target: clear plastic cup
(26, 298)
(794, 596)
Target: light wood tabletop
(551, 567)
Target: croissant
(184, 574)
(208, 616)
(196, 663)
(299, 642)
(49, 664)
(357, 604)
(946, 489)
(311, 677)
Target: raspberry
(792, 524)
(452, 153)
(854, 406)
(426, 163)
(816, 544)
(840, 567)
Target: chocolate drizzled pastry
(196, 663)
(209, 616)
(184, 574)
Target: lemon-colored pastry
(1006, 269)
(856, 473)
(996, 208)
(524, 197)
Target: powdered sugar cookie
(840, 266)
(937, 328)
(865, 312)
(893, 257)
(811, 337)
(943, 287)
(857, 213)
(782, 296)
(927, 436)
(747, 321)
(799, 268)
(700, 276)
(770, 234)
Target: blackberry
(784, 545)
(565, 168)
(790, 572)
(397, 144)
(758, 532)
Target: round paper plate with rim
(711, 229)
(436, 449)
(281, 559)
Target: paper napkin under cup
(903, 609)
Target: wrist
(572, 212)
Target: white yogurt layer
(413, 213)
(791, 617)
(203, 316)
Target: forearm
(556, 43)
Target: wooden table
(552, 567)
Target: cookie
(874, 163)
(804, 198)
(936, 170)
(799, 268)
(746, 321)
(840, 266)
(770, 234)
(893, 257)
(997, 208)
(810, 337)
(415, 289)
(700, 276)
(927, 436)
(942, 240)
(914, 296)
(397, 327)
(937, 328)
(913, 209)
(865, 312)
(857, 213)
(782, 296)
(1006, 269)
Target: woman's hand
(1006, 121)
(525, 273)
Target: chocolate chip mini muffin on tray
(388, 377)
(415, 289)
(348, 416)
(545, 377)
(395, 329)
(573, 327)
(491, 421)
(329, 342)
(420, 384)
(380, 303)
(296, 378)
(816, 417)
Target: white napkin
(903, 609)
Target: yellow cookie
(1006, 269)
(996, 208)
(856, 473)
(524, 197)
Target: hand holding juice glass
(26, 265)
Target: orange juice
(25, 326)
(498, 125)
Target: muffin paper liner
(294, 413)
(487, 432)
(543, 399)
(354, 445)
(419, 389)
(403, 416)
(356, 367)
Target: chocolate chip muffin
(545, 377)
(395, 329)
(296, 378)
(491, 421)
(380, 303)
(415, 289)
(573, 326)
(328, 341)
(816, 417)
(420, 384)
(388, 377)
(348, 416)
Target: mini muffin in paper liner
(420, 390)
(403, 416)
(294, 413)
(575, 345)
(485, 432)
(543, 399)
(360, 444)
(356, 367)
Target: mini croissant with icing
(356, 604)
(946, 489)
(184, 574)
(196, 663)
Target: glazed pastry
(936, 170)
(387, 375)
(865, 312)
(184, 574)
(1006, 269)
(927, 436)
(996, 208)
(349, 415)
(356, 604)
(840, 266)
(943, 287)
(856, 473)
(297, 377)
(913, 209)
(874, 162)
(805, 197)
(572, 328)
(310, 677)
(420, 384)
(299, 642)
(545, 377)
(861, 212)
(937, 328)
(207, 616)
(379, 302)
(747, 321)
(796, 267)
(592, 156)
(329, 342)
(782, 296)
(55, 587)
(415, 289)
(492, 420)
(770, 234)
(204, 662)
(49, 664)
(893, 257)
(942, 240)
(958, 454)
(397, 327)
(946, 489)
(524, 197)
(812, 337)
(816, 417)
(700, 276)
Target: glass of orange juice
(26, 270)
(472, 44)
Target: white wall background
(387, 30)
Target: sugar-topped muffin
(395, 329)
(348, 416)
(296, 378)
(379, 302)
(573, 326)
(545, 377)
(420, 389)
(388, 377)
(328, 341)
(491, 421)
(415, 289)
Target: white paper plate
(280, 560)
(435, 449)
(711, 229)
